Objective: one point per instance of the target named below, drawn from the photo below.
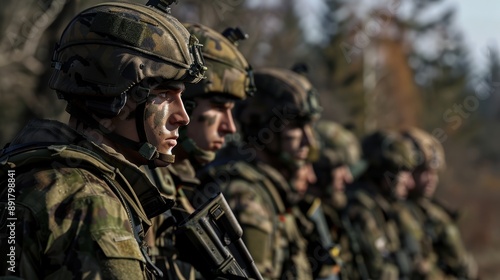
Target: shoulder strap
(248, 173)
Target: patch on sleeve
(117, 244)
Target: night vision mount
(234, 35)
(163, 5)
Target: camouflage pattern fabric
(343, 143)
(375, 231)
(117, 34)
(282, 94)
(228, 71)
(430, 152)
(442, 232)
(413, 241)
(162, 241)
(256, 192)
(388, 151)
(70, 222)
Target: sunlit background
(377, 64)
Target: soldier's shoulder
(436, 212)
(55, 185)
(361, 198)
(234, 170)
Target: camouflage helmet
(111, 47)
(388, 151)
(343, 144)
(429, 151)
(281, 94)
(228, 71)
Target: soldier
(340, 156)
(277, 134)
(371, 211)
(82, 205)
(438, 222)
(340, 153)
(209, 104)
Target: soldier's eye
(167, 95)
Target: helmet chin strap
(143, 147)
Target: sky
(479, 21)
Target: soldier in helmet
(340, 153)
(276, 128)
(209, 104)
(82, 205)
(442, 236)
(375, 242)
(340, 157)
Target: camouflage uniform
(74, 221)
(82, 209)
(228, 76)
(375, 241)
(444, 244)
(259, 193)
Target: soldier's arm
(256, 220)
(452, 252)
(81, 231)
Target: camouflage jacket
(171, 181)
(423, 263)
(374, 240)
(257, 194)
(77, 216)
(443, 234)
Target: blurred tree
(29, 30)
(381, 67)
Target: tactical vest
(388, 245)
(140, 204)
(288, 243)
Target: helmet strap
(144, 148)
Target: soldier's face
(340, 177)
(403, 184)
(296, 141)
(426, 181)
(304, 178)
(164, 115)
(211, 121)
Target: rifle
(210, 239)
(329, 250)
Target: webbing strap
(122, 28)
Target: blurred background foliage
(387, 65)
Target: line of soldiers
(387, 217)
(128, 190)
